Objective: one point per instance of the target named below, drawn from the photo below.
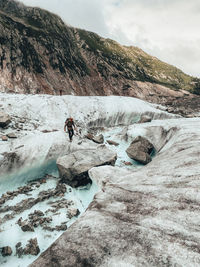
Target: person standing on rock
(69, 124)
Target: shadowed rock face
(40, 54)
(149, 217)
(140, 150)
(73, 168)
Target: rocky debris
(127, 163)
(73, 168)
(19, 249)
(5, 119)
(186, 106)
(61, 227)
(29, 202)
(144, 119)
(72, 212)
(32, 247)
(6, 251)
(110, 142)
(140, 150)
(4, 138)
(27, 227)
(60, 204)
(99, 139)
(34, 220)
(11, 194)
(11, 135)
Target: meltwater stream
(44, 205)
(60, 205)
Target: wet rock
(110, 142)
(73, 168)
(6, 251)
(37, 212)
(73, 212)
(32, 247)
(5, 119)
(48, 228)
(140, 150)
(19, 249)
(27, 227)
(61, 227)
(127, 163)
(144, 119)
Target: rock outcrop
(73, 168)
(140, 150)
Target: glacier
(152, 210)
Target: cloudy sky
(167, 29)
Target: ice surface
(11, 233)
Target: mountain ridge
(39, 53)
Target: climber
(69, 123)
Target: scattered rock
(19, 249)
(99, 139)
(11, 135)
(22, 120)
(32, 247)
(145, 118)
(5, 119)
(72, 212)
(127, 163)
(89, 136)
(110, 142)
(73, 168)
(4, 138)
(6, 251)
(140, 150)
(27, 227)
(61, 227)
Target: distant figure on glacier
(69, 124)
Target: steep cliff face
(41, 54)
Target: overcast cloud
(167, 29)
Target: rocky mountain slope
(39, 53)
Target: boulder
(4, 138)
(145, 118)
(5, 119)
(89, 136)
(6, 251)
(27, 227)
(72, 212)
(99, 139)
(11, 135)
(110, 142)
(140, 150)
(32, 247)
(73, 168)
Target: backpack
(69, 122)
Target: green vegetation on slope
(137, 65)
